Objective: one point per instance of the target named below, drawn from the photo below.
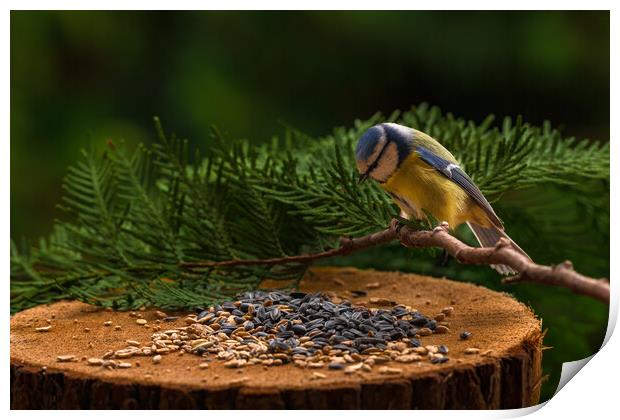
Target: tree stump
(506, 373)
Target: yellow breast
(416, 186)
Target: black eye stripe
(374, 164)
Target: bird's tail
(488, 237)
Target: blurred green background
(78, 78)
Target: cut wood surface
(506, 373)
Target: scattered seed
(203, 365)
(366, 367)
(432, 349)
(235, 363)
(107, 323)
(161, 314)
(124, 365)
(93, 361)
(317, 375)
(117, 327)
(389, 370)
(239, 380)
(65, 358)
(408, 358)
(472, 350)
(423, 332)
(465, 335)
(44, 329)
(372, 285)
(315, 365)
(447, 310)
(141, 321)
(380, 301)
(442, 329)
(157, 359)
(353, 368)
(170, 318)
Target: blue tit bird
(422, 176)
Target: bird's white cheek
(362, 167)
(387, 164)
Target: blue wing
(452, 171)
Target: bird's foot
(397, 224)
(443, 226)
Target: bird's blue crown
(367, 143)
(398, 134)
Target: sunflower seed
(465, 335)
(389, 370)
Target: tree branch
(562, 275)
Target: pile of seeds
(309, 330)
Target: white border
(591, 394)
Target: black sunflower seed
(465, 335)
(299, 329)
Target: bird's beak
(363, 177)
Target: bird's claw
(396, 225)
(443, 226)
